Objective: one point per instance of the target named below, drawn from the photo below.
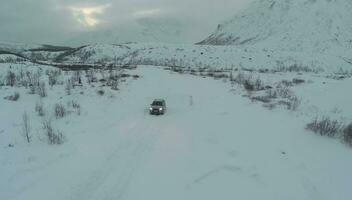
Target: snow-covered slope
(33, 51)
(295, 25)
(206, 56)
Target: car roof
(159, 100)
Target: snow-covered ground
(211, 144)
(217, 57)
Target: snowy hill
(268, 34)
(33, 51)
(294, 25)
(197, 56)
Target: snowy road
(211, 144)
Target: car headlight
(150, 108)
(160, 109)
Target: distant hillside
(294, 25)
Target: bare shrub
(248, 82)
(284, 91)
(258, 84)
(240, 78)
(294, 103)
(271, 93)
(39, 108)
(26, 127)
(286, 83)
(60, 111)
(269, 106)
(114, 85)
(91, 77)
(253, 85)
(298, 81)
(21, 79)
(347, 134)
(13, 97)
(76, 78)
(53, 76)
(325, 126)
(31, 89)
(10, 78)
(53, 136)
(68, 87)
(76, 106)
(41, 90)
(113, 79)
(264, 99)
(294, 67)
(101, 92)
(33, 79)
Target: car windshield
(157, 103)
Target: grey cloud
(50, 21)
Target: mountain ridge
(314, 25)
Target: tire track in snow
(112, 179)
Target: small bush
(91, 77)
(13, 97)
(325, 126)
(125, 75)
(294, 67)
(240, 78)
(294, 103)
(68, 87)
(33, 80)
(298, 81)
(258, 84)
(54, 136)
(60, 111)
(271, 93)
(347, 134)
(76, 78)
(31, 89)
(264, 99)
(113, 83)
(284, 91)
(101, 92)
(10, 78)
(26, 127)
(286, 83)
(52, 80)
(53, 76)
(39, 108)
(248, 85)
(76, 106)
(248, 82)
(41, 90)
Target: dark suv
(158, 107)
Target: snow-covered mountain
(313, 34)
(294, 25)
(147, 29)
(268, 34)
(34, 52)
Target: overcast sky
(54, 21)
